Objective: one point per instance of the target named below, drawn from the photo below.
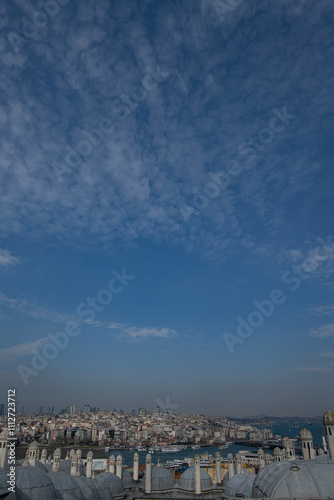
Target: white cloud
(322, 310)
(323, 332)
(20, 350)
(137, 334)
(32, 309)
(7, 259)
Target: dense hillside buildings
(279, 476)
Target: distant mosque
(280, 476)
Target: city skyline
(167, 199)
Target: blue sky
(170, 163)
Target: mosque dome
(113, 482)
(35, 484)
(240, 484)
(65, 466)
(187, 480)
(162, 479)
(38, 464)
(89, 490)
(65, 486)
(126, 478)
(295, 479)
(4, 485)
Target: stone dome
(89, 490)
(113, 482)
(305, 434)
(66, 487)
(162, 479)
(33, 483)
(295, 479)
(328, 417)
(187, 480)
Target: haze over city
(166, 206)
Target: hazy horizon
(166, 227)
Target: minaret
(197, 470)
(56, 460)
(89, 464)
(119, 466)
(3, 448)
(44, 456)
(74, 465)
(218, 469)
(278, 454)
(135, 467)
(238, 463)
(329, 426)
(78, 455)
(148, 474)
(307, 444)
(267, 459)
(230, 465)
(32, 453)
(289, 449)
(260, 455)
(112, 464)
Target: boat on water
(141, 449)
(196, 447)
(224, 446)
(171, 449)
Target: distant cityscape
(139, 428)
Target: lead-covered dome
(4, 485)
(89, 491)
(240, 484)
(162, 479)
(187, 480)
(295, 479)
(113, 482)
(33, 483)
(66, 487)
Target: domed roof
(305, 433)
(113, 482)
(329, 417)
(296, 479)
(240, 484)
(89, 491)
(187, 480)
(32, 482)
(162, 479)
(65, 466)
(4, 485)
(38, 464)
(65, 486)
(126, 478)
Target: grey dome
(89, 490)
(38, 464)
(65, 486)
(240, 484)
(323, 458)
(4, 485)
(113, 482)
(226, 478)
(34, 484)
(296, 479)
(187, 480)
(126, 478)
(162, 479)
(65, 466)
